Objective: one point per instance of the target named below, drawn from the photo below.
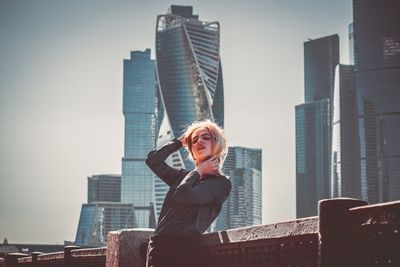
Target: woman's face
(202, 144)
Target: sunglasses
(204, 137)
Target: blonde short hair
(220, 147)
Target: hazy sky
(61, 115)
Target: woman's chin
(202, 158)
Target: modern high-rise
(243, 207)
(104, 188)
(377, 73)
(312, 156)
(189, 77)
(345, 159)
(140, 112)
(97, 219)
(103, 212)
(313, 124)
(320, 59)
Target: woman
(195, 197)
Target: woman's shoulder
(219, 178)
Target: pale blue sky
(61, 96)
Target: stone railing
(375, 234)
(346, 232)
(293, 243)
(71, 256)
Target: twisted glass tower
(189, 77)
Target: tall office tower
(189, 78)
(99, 218)
(243, 206)
(345, 177)
(103, 213)
(377, 66)
(139, 108)
(313, 124)
(320, 59)
(104, 187)
(312, 156)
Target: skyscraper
(103, 212)
(97, 219)
(313, 124)
(312, 156)
(345, 177)
(243, 206)
(189, 76)
(139, 108)
(377, 66)
(104, 187)
(320, 59)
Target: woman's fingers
(214, 162)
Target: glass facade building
(104, 212)
(99, 218)
(244, 204)
(189, 77)
(320, 59)
(140, 112)
(313, 124)
(104, 188)
(345, 177)
(377, 66)
(312, 156)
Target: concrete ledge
(383, 213)
(124, 247)
(88, 252)
(51, 256)
(277, 230)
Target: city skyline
(362, 114)
(61, 97)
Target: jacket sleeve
(156, 162)
(211, 190)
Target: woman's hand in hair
(208, 166)
(182, 140)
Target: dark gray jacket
(190, 205)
